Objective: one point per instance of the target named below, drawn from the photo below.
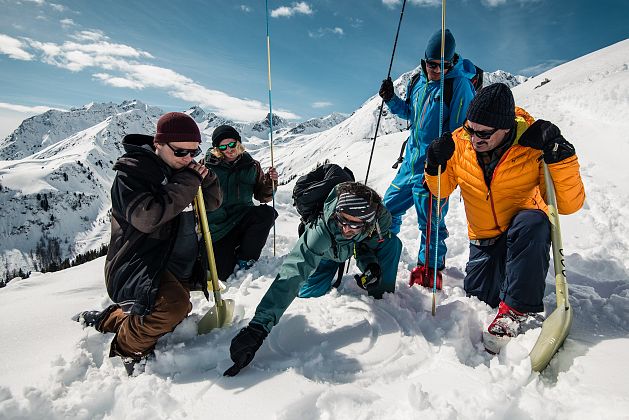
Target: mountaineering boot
(136, 365)
(505, 326)
(94, 318)
(424, 276)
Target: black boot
(136, 365)
(94, 318)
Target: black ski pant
(245, 241)
(513, 266)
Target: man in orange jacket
(496, 160)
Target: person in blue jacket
(422, 109)
(354, 222)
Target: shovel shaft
(555, 232)
(207, 237)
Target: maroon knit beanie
(176, 127)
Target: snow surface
(345, 355)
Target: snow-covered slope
(345, 355)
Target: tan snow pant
(136, 337)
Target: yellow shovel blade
(218, 316)
(555, 329)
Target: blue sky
(326, 55)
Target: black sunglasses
(185, 152)
(483, 135)
(433, 66)
(349, 223)
(231, 145)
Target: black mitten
(438, 153)
(386, 90)
(244, 347)
(546, 136)
(370, 279)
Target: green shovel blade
(218, 316)
(555, 329)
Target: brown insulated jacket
(147, 199)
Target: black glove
(244, 347)
(438, 153)
(370, 279)
(546, 136)
(386, 89)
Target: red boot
(507, 321)
(505, 325)
(424, 276)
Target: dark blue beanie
(433, 48)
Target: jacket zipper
(491, 197)
(458, 113)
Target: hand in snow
(244, 347)
(370, 279)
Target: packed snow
(345, 355)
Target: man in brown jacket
(155, 253)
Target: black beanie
(223, 132)
(433, 48)
(493, 106)
(176, 126)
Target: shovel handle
(199, 204)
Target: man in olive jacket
(154, 256)
(354, 222)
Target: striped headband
(356, 206)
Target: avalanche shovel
(556, 327)
(222, 312)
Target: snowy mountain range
(55, 168)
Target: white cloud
(493, 3)
(356, 22)
(38, 2)
(26, 109)
(88, 36)
(296, 8)
(14, 48)
(123, 66)
(321, 104)
(58, 7)
(321, 32)
(119, 82)
(67, 23)
(393, 3)
(245, 8)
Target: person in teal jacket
(422, 109)
(354, 223)
(238, 227)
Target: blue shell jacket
(423, 113)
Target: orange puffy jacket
(517, 183)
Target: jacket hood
(140, 159)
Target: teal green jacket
(321, 240)
(240, 181)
